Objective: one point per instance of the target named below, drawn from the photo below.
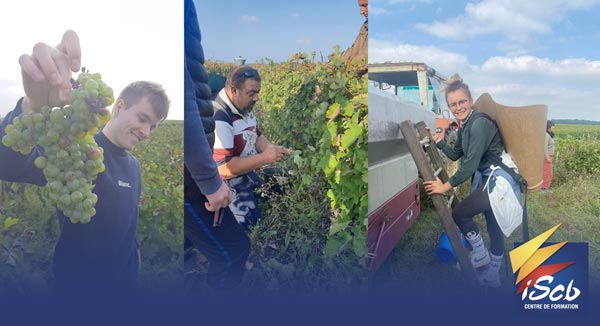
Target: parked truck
(397, 92)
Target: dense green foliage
(577, 151)
(313, 233)
(160, 230)
(29, 227)
(219, 68)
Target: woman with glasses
(478, 134)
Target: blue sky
(273, 29)
(521, 52)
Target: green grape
(38, 117)
(27, 120)
(76, 196)
(40, 162)
(9, 140)
(56, 117)
(65, 200)
(51, 171)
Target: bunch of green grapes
(72, 159)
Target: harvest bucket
(444, 251)
(523, 130)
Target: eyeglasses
(249, 73)
(456, 104)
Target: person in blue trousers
(208, 222)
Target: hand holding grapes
(47, 72)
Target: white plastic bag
(505, 204)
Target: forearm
(465, 171)
(198, 160)
(241, 165)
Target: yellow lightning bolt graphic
(537, 259)
(520, 255)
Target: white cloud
(568, 86)
(246, 19)
(382, 51)
(295, 15)
(566, 69)
(514, 19)
(376, 11)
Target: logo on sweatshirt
(123, 184)
(551, 276)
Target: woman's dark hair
(549, 124)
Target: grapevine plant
(319, 109)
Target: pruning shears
(218, 217)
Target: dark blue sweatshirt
(102, 254)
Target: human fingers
(61, 61)
(284, 150)
(214, 205)
(70, 46)
(209, 207)
(43, 57)
(428, 189)
(433, 135)
(227, 195)
(30, 68)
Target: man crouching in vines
(101, 255)
(240, 148)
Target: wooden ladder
(430, 165)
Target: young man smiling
(102, 255)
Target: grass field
(574, 202)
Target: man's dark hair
(238, 75)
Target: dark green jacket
(475, 137)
